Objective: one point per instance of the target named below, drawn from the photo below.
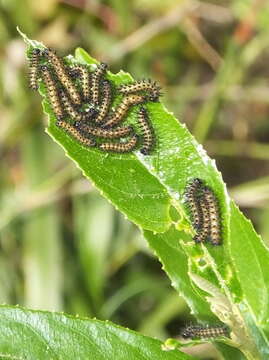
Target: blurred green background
(64, 247)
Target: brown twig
(200, 43)
(167, 21)
(151, 29)
(101, 11)
(214, 13)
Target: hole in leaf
(174, 214)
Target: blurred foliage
(63, 247)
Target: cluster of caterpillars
(204, 332)
(205, 213)
(82, 103)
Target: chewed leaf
(149, 189)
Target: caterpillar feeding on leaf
(82, 73)
(34, 68)
(147, 131)
(205, 213)
(192, 198)
(69, 108)
(75, 133)
(63, 76)
(52, 91)
(106, 102)
(122, 109)
(120, 147)
(203, 233)
(105, 133)
(96, 78)
(142, 85)
(204, 332)
(212, 205)
(86, 97)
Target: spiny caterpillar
(192, 198)
(120, 147)
(105, 133)
(96, 78)
(147, 131)
(203, 233)
(204, 332)
(142, 85)
(212, 205)
(73, 131)
(63, 75)
(204, 209)
(52, 91)
(83, 74)
(123, 109)
(69, 108)
(86, 98)
(106, 102)
(33, 68)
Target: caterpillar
(74, 132)
(96, 78)
(204, 231)
(142, 85)
(90, 113)
(204, 332)
(106, 102)
(69, 108)
(118, 115)
(214, 216)
(147, 130)
(83, 74)
(63, 76)
(33, 68)
(120, 147)
(192, 198)
(52, 92)
(105, 133)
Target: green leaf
(26, 334)
(175, 261)
(251, 259)
(149, 190)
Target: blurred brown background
(63, 247)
